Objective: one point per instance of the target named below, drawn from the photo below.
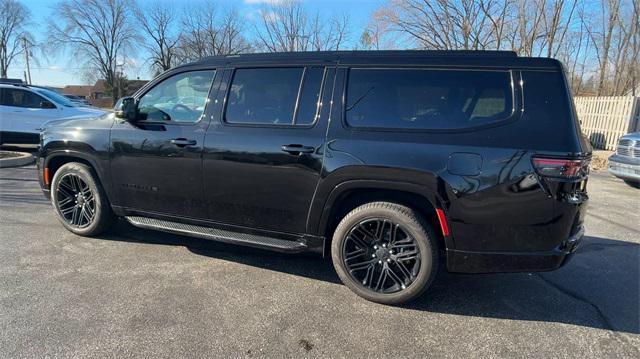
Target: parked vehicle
(77, 99)
(11, 81)
(24, 110)
(393, 162)
(625, 162)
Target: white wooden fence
(605, 118)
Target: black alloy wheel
(80, 201)
(381, 256)
(76, 201)
(385, 252)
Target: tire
(65, 185)
(634, 184)
(348, 238)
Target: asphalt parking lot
(136, 293)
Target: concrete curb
(23, 159)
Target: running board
(220, 235)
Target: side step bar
(220, 235)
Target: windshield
(55, 97)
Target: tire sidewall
(85, 174)
(413, 228)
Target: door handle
(296, 149)
(183, 142)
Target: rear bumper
(497, 262)
(624, 167)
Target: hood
(89, 119)
(80, 111)
(632, 136)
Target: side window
(264, 96)
(427, 99)
(21, 98)
(180, 98)
(310, 96)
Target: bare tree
(625, 62)
(613, 31)
(601, 38)
(99, 31)
(339, 31)
(370, 39)
(574, 51)
(529, 27)
(378, 34)
(204, 32)
(442, 24)
(557, 21)
(635, 50)
(284, 27)
(499, 20)
(158, 21)
(287, 26)
(606, 31)
(12, 21)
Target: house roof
(78, 90)
(100, 86)
(135, 85)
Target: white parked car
(25, 109)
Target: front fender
(87, 140)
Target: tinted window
(427, 99)
(56, 97)
(310, 96)
(263, 96)
(20, 98)
(547, 108)
(179, 98)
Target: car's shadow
(599, 288)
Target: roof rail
(438, 53)
(339, 56)
(11, 81)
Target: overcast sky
(60, 69)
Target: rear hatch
(561, 160)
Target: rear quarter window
(427, 99)
(548, 111)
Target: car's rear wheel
(79, 200)
(385, 252)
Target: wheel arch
(54, 160)
(350, 194)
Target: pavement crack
(601, 316)
(613, 222)
(585, 247)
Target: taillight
(443, 222)
(561, 168)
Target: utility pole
(26, 58)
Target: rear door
(264, 148)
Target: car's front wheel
(79, 200)
(385, 252)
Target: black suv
(391, 162)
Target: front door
(156, 163)
(264, 148)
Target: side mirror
(127, 109)
(47, 104)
